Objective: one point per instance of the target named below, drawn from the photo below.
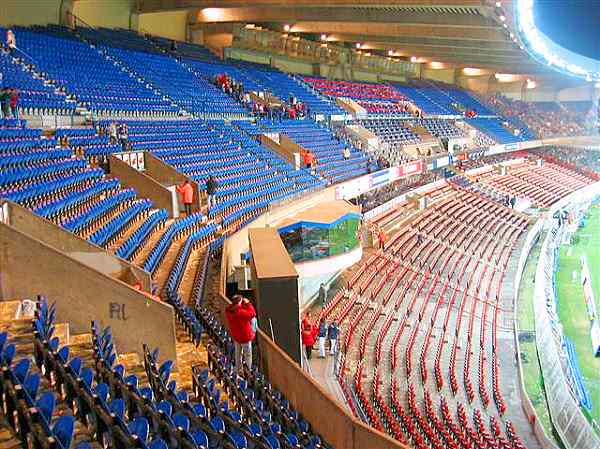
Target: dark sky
(573, 24)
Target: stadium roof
(465, 33)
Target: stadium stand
(422, 347)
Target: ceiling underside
(464, 33)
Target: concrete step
(129, 229)
(7, 439)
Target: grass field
(532, 376)
(572, 310)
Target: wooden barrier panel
(166, 175)
(144, 185)
(276, 146)
(29, 268)
(25, 221)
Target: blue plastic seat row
(76, 198)
(111, 229)
(136, 240)
(76, 224)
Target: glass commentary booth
(306, 240)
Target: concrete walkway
(322, 371)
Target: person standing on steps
(11, 41)
(211, 188)
(309, 334)
(333, 333)
(240, 315)
(187, 196)
(14, 101)
(322, 338)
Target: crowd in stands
(545, 119)
(584, 158)
(376, 197)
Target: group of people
(186, 191)
(119, 133)
(297, 109)
(510, 201)
(230, 86)
(9, 101)
(242, 324)
(545, 120)
(321, 334)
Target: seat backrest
(63, 431)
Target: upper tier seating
(80, 70)
(325, 146)
(428, 100)
(354, 90)
(45, 178)
(393, 131)
(461, 101)
(544, 119)
(375, 98)
(165, 73)
(494, 128)
(35, 96)
(440, 128)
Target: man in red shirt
(240, 315)
(14, 100)
(309, 335)
(187, 196)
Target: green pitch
(571, 305)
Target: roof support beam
(146, 6)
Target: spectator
(112, 132)
(14, 101)
(123, 135)
(211, 188)
(11, 40)
(187, 195)
(240, 315)
(322, 338)
(309, 333)
(333, 333)
(322, 294)
(346, 153)
(308, 159)
(513, 201)
(382, 237)
(5, 102)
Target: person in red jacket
(309, 335)
(187, 195)
(240, 315)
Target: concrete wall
(584, 92)
(166, 175)
(169, 24)
(444, 75)
(31, 12)
(105, 13)
(143, 184)
(80, 249)
(285, 152)
(82, 294)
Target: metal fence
(575, 431)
